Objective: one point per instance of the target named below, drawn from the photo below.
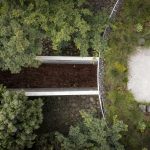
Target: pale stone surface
(148, 109)
(139, 75)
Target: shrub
(19, 42)
(19, 117)
(131, 29)
(70, 21)
(93, 133)
(123, 104)
(23, 25)
(130, 112)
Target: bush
(19, 117)
(19, 42)
(23, 25)
(70, 21)
(93, 133)
(131, 29)
(123, 104)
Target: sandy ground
(139, 75)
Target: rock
(84, 97)
(59, 98)
(74, 105)
(141, 41)
(91, 99)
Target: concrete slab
(139, 74)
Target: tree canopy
(19, 117)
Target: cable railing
(100, 65)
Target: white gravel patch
(139, 75)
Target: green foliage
(19, 117)
(116, 67)
(119, 67)
(144, 148)
(139, 27)
(123, 104)
(19, 42)
(134, 23)
(93, 133)
(67, 21)
(130, 112)
(142, 127)
(77, 24)
(23, 25)
(131, 27)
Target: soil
(51, 76)
(62, 112)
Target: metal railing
(63, 91)
(100, 66)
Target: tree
(23, 25)
(19, 42)
(93, 133)
(70, 21)
(19, 117)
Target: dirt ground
(51, 76)
(61, 112)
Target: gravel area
(139, 75)
(61, 112)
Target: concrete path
(139, 75)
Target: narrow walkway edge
(100, 66)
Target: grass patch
(130, 31)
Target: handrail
(110, 16)
(100, 73)
(99, 91)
